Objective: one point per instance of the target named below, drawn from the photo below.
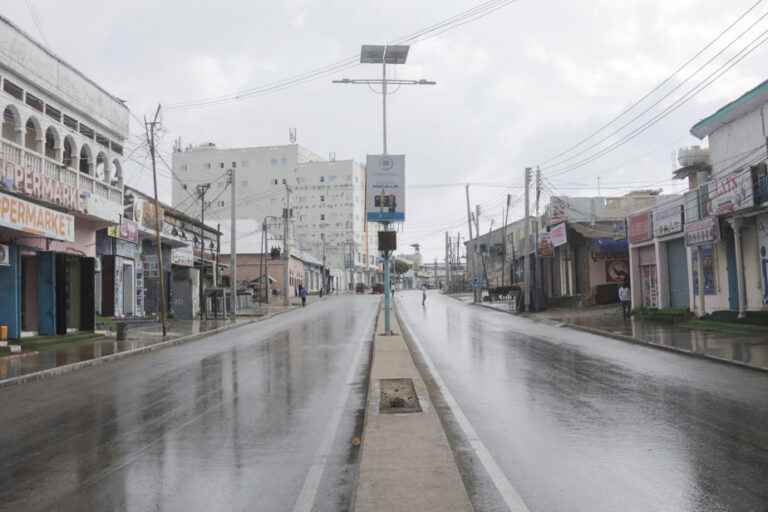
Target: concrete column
(662, 274)
(634, 277)
(700, 270)
(736, 224)
(19, 136)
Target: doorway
(29, 303)
(128, 309)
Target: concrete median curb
(631, 339)
(406, 460)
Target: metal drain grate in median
(398, 396)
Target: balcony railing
(56, 172)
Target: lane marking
(509, 494)
(306, 500)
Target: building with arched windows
(61, 180)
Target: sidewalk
(139, 336)
(748, 349)
(407, 463)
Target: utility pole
(447, 262)
(149, 127)
(286, 249)
(233, 243)
(538, 277)
(504, 241)
(201, 190)
(264, 261)
(527, 255)
(470, 252)
(218, 253)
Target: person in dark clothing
(303, 295)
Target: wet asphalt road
(578, 422)
(258, 418)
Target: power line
(656, 88)
(668, 94)
(712, 77)
(467, 16)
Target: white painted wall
(23, 57)
(728, 143)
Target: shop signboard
(126, 230)
(617, 271)
(144, 213)
(546, 249)
(557, 210)
(692, 210)
(31, 218)
(385, 193)
(730, 193)
(667, 221)
(703, 232)
(101, 207)
(558, 235)
(33, 183)
(708, 254)
(640, 227)
(183, 256)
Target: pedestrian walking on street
(424, 296)
(303, 295)
(625, 299)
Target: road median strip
(407, 463)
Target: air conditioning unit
(5, 255)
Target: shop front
(672, 256)
(118, 252)
(47, 269)
(643, 271)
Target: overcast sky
(514, 88)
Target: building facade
(326, 199)
(727, 231)
(61, 181)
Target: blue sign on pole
(476, 282)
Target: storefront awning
(609, 248)
(607, 230)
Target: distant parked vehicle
(377, 288)
(360, 288)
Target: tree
(401, 267)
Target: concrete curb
(636, 341)
(67, 368)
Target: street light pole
(383, 54)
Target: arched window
(101, 166)
(117, 173)
(32, 135)
(11, 123)
(51, 143)
(68, 152)
(86, 160)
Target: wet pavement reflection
(138, 335)
(579, 422)
(228, 423)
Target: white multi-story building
(327, 199)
